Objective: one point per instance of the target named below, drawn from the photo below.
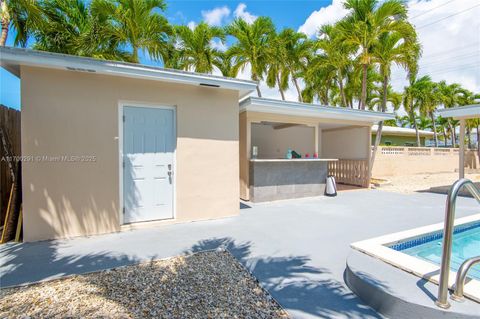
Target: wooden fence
(350, 172)
(10, 123)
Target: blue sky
(283, 13)
(447, 30)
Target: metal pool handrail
(448, 236)
(462, 275)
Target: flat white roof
(401, 131)
(12, 58)
(465, 112)
(254, 104)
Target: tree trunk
(469, 138)
(445, 136)
(280, 88)
(3, 36)
(325, 98)
(478, 141)
(300, 98)
(452, 133)
(378, 137)
(258, 91)
(417, 133)
(435, 137)
(342, 93)
(363, 99)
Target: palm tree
(412, 97)
(252, 46)
(137, 24)
(450, 96)
(335, 54)
(195, 49)
(298, 53)
(429, 100)
(70, 27)
(364, 26)
(442, 124)
(406, 120)
(424, 123)
(397, 48)
(277, 70)
(225, 65)
(466, 98)
(171, 55)
(23, 15)
(376, 101)
(319, 82)
(475, 124)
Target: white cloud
(451, 47)
(216, 16)
(219, 45)
(191, 25)
(326, 15)
(240, 12)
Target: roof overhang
(463, 112)
(401, 131)
(262, 105)
(12, 58)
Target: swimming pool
(418, 251)
(466, 244)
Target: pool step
(398, 294)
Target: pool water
(466, 244)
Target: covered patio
(325, 140)
(463, 114)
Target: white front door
(149, 141)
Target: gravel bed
(203, 285)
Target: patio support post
(317, 138)
(461, 153)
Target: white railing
(418, 151)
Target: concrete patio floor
(297, 249)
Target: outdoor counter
(274, 179)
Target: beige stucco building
(72, 129)
(110, 146)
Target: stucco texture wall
(274, 143)
(72, 113)
(391, 161)
(346, 143)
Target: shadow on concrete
(17, 261)
(421, 285)
(445, 188)
(244, 206)
(301, 289)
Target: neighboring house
(400, 136)
(110, 146)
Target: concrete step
(397, 294)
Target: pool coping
(377, 248)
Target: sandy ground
(422, 182)
(203, 285)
